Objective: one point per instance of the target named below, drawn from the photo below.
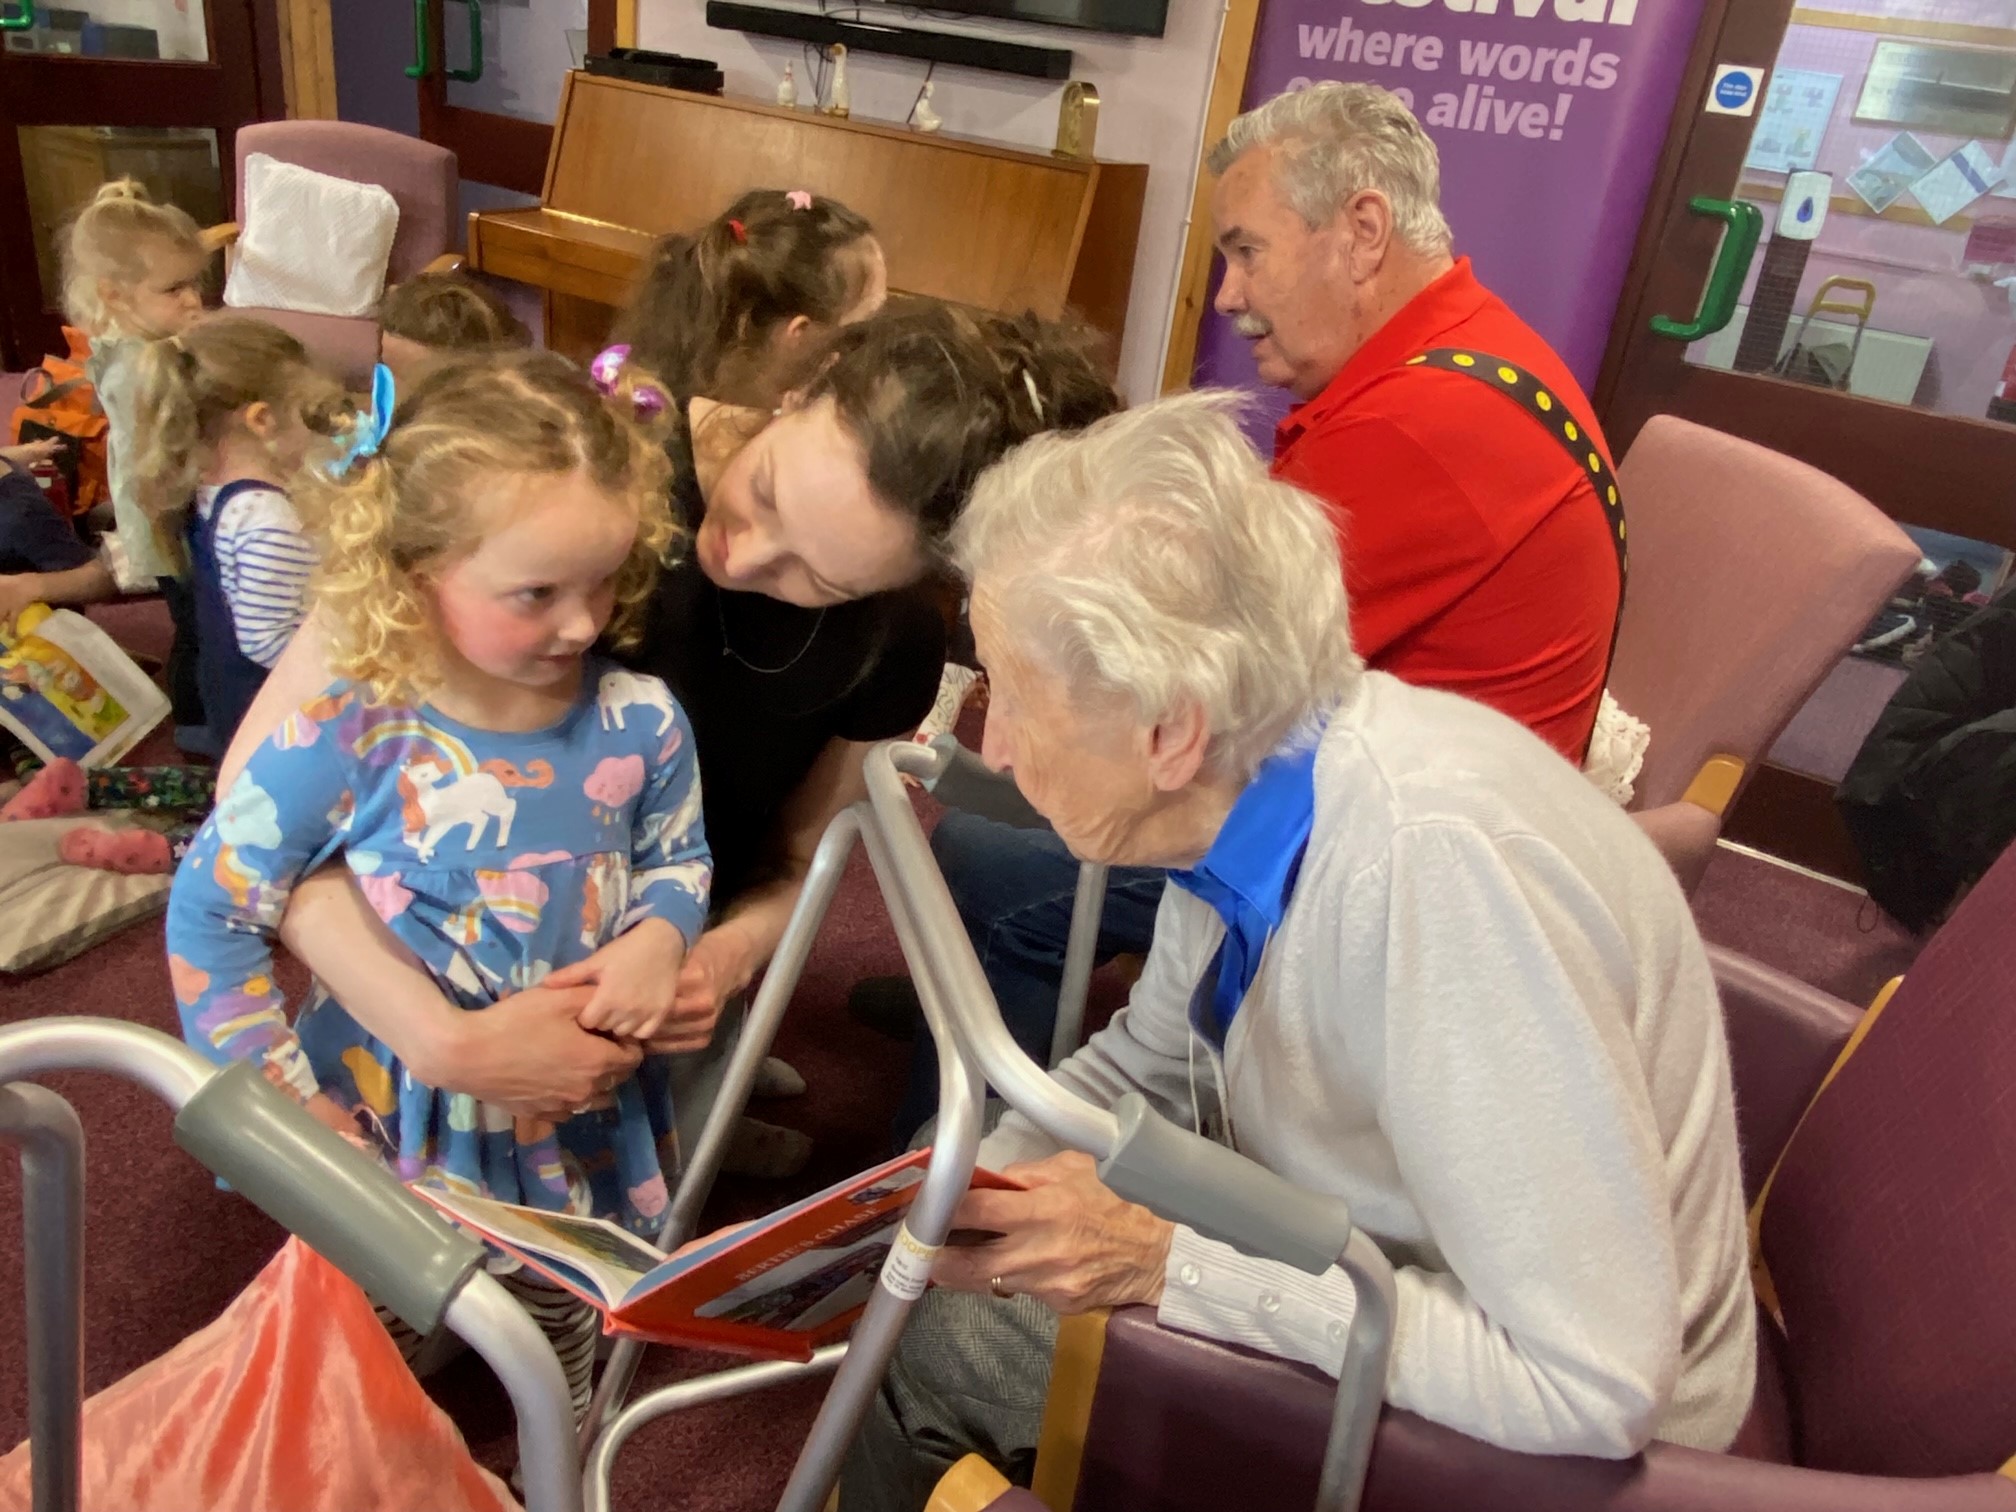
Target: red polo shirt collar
(1450, 301)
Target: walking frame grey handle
(343, 1205)
(307, 1178)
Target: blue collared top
(1249, 875)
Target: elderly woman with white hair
(1410, 957)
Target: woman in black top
(795, 630)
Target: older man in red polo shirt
(1479, 555)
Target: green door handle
(474, 71)
(423, 49)
(22, 19)
(1745, 223)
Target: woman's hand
(1066, 1240)
(720, 964)
(635, 977)
(529, 1054)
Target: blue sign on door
(1735, 90)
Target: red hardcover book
(777, 1287)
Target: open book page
(793, 1281)
(66, 689)
(596, 1260)
(776, 1287)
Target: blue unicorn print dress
(494, 858)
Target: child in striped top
(227, 412)
(230, 410)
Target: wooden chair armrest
(447, 262)
(1715, 784)
(969, 1486)
(216, 238)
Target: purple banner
(1549, 115)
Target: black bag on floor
(1931, 798)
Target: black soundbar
(897, 41)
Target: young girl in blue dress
(509, 803)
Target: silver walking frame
(344, 1205)
(411, 1260)
(1142, 1156)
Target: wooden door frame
(1652, 225)
(306, 43)
(492, 148)
(1193, 284)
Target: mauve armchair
(1751, 575)
(421, 176)
(1881, 1148)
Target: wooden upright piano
(972, 222)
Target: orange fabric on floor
(295, 1397)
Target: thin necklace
(721, 614)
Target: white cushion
(49, 911)
(311, 242)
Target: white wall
(1152, 95)
(525, 55)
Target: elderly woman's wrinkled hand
(1066, 1240)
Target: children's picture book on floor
(66, 689)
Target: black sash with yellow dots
(1532, 396)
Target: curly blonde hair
(107, 242)
(190, 386)
(390, 523)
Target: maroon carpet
(166, 1250)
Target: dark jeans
(185, 697)
(1014, 888)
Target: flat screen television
(1133, 18)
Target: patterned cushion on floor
(51, 911)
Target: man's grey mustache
(1251, 326)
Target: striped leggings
(571, 1326)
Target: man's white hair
(1150, 559)
(1334, 141)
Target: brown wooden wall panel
(1105, 273)
(957, 219)
(971, 222)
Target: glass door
(1832, 274)
(102, 89)
(489, 75)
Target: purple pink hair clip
(739, 231)
(798, 199)
(647, 400)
